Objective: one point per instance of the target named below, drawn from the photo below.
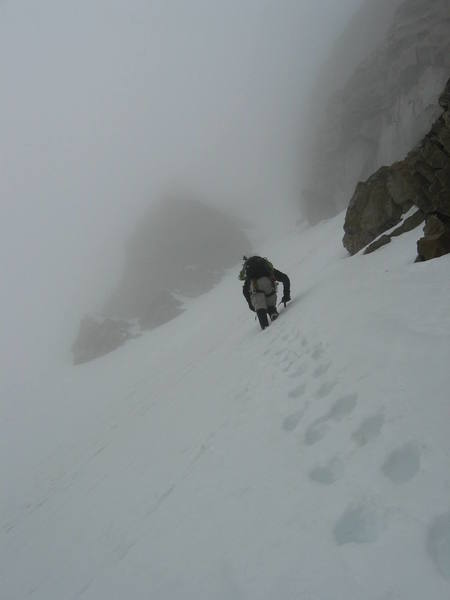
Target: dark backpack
(256, 267)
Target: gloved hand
(286, 298)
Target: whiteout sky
(107, 104)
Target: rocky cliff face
(384, 108)
(421, 180)
(365, 32)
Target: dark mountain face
(179, 249)
(420, 181)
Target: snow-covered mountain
(210, 460)
(165, 258)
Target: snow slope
(210, 460)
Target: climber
(260, 288)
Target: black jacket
(279, 276)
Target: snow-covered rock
(421, 179)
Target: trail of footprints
(362, 522)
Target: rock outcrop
(432, 166)
(384, 109)
(436, 240)
(422, 180)
(410, 223)
(376, 206)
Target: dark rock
(434, 226)
(421, 179)
(383, 240)
(408, 225)
(444, 100)
(436, 240)
(443, 137)
(376, 206)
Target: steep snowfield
(209, 460)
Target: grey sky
(106, 104)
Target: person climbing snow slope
(260, 288)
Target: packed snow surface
(210, 460)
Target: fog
(106, 105)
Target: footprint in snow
(286, 358)
(290, 337)
(318, 352)
(299, 371)
(287, 367)
(368, 430)
(328, 473)
(343, 407)
(321, 370)
(298, 391)
(402, 464)
(360, 524)
(438, 544)
(292, 420)
(294, 336)
(340, 409)
(316, 432)
(325, 389)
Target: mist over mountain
(182, 246)
(383, 107)
(179, 250)
(106, 104)
(198, 457)
(365, 31)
